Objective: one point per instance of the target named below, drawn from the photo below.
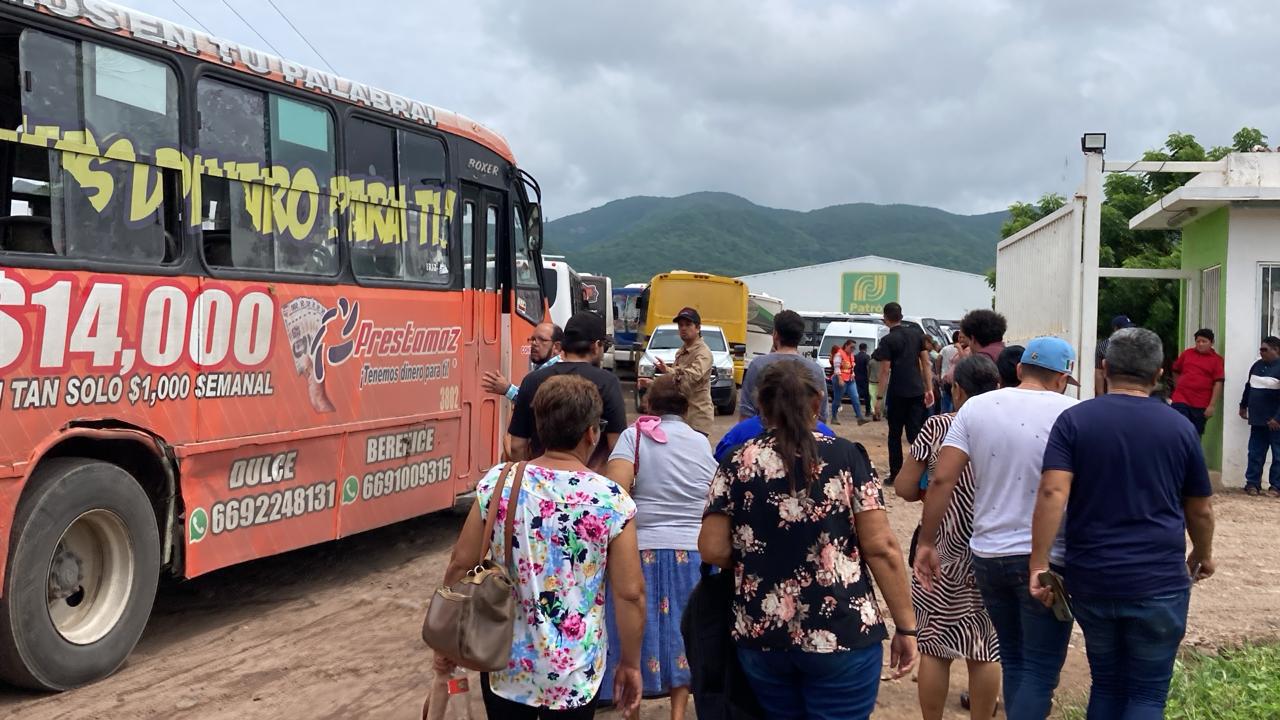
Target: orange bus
(244, 305)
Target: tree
(1022, 215)
(1153, 304)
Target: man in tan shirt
(692, 370)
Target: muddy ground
(333, 631)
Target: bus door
(482, 216)
(525, 308)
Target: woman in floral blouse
(800, 520)
(572, 529)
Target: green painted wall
(1204, 244)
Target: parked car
(663, 344)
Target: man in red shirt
(1198, 373)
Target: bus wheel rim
(90, 577)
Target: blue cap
(1051, 353)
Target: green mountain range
(635, 238)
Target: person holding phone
(1130, 475)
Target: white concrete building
(865, 284)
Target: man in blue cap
(1003, 434)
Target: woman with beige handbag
(568, 529)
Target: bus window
(302, 139)
(491, 248)
(528, 298)
(51, 87)
(301, 215)
(129, 96)
(422, 174)
(85, 205)
(422, 161)
(468, 233)
(375, 230)
(246, 223)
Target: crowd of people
(1038, 512)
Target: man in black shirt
(584, 346)
(906, 383)
(862, 376)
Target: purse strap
(491, 516)
(509, 526)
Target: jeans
(903, 413)
(948, 404)
(796, 685)
(864, 392)
(1033, 643)
(842, 391)
(1260, 439)
(1131, 646)
(500, 707)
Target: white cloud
(967, 106)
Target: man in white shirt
(1003, 435)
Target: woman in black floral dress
(800, 520)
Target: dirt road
(332, 631)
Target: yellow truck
(719, 300)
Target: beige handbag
(471, 622)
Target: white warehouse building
(865, 284)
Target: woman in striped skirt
(952, 621)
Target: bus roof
(689, 275)
(130, 23)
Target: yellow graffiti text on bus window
(275, 199)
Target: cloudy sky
(964, 106)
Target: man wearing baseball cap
(692, 369)
(1002, 435)
(585, 342)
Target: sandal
(1252, 491)
(1274, 493)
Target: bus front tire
(83, 567)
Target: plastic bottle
(450, 697)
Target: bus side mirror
(739, 350)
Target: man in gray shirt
(788, 329)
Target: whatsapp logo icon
(197, 525)
(350, 490)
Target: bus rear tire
(82, 573)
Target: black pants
(499, 707)
(903, 413)
(864, 394)
(1195, 415)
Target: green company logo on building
(350, 490)
(867, 292)
(198, 525)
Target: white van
(761, 309)
(861, 332)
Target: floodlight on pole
(1093, 142)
